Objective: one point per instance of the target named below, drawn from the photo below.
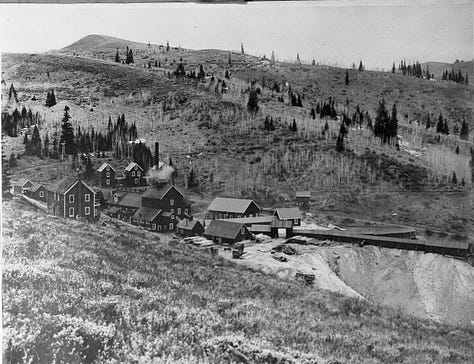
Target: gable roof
(35, 187)
(146, 213)
(131, 199)
(289, 213)
(103, 166)
(224, 229)
(234, 205)
(63, 185)
(132, 165)
(158, 193)
(23, 181)
(189, 224)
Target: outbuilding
(227, 232)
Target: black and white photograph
(269, 182)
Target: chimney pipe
(157, 154)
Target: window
(171, 202)
(107, 174)
(136, 181)
(138, 173)
(71, 212)
(71, 198)
(41, 193)
(87, 211)
(242, 231)
(296, 221)
(172, 211)
(179, 210)
(133, 173)
(153, 226)
(172, 217)
(87, 197)
(107, 182)
(171, 226)
(159, 227)
(185, 210)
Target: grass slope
(437, 68)
(82, 293)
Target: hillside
(107, 293)
(96, 42)
(437, 68)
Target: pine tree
(6, 184)
(298, 58)
(446, 128)
(12, 162)
(464, 134)
(457, 149)
(167, 46)
(454, 179)
(440, 124)
(89, 172)
(393, 126)
(252, 104)
(12, 92)
(117, 57)
(67, 134)
(294, 127)
(33, 147)
(393, 67)
(229, 61)
(361, 66)
(192, 180)
(242, 48)
(347, 78)
(46, 145)
(340, 138)
(50, 99)
(201, 75)
(273, 57)
(428, 121)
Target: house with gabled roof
(292, 214)
(187, 227)
(303, 198)
(133, 175)
(37, 192)
(148, 217)
(20, 185)
(226, 208)
(227, 232)
(106, 175)
(72, 197)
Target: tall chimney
(157, 154)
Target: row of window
(87, 211)
(133, 174)
(87, 198)
(179, 211)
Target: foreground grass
(74, 292)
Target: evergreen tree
(340, 138)
(440, 124)
(294, 127)
(50, 99)
(446, 128)
(454, 179)
(347, 78)
(457, 149)
(129, 58)
(393, 126)
(89, 172)
(201, 75)
(298, 58)
(273, 57)
(464, 134)
(67, 134)
(33, 147)
(180, 72)
(12, 162)
(252, 104)
(12, 93)
(6, 176)
(361, 66)
(242, 48)
(229, 61)
(46, 145)
(167, 46)
(428, 121)
(382, 120)
(393, 67)
(192, 180)
(117, 57)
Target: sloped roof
(132, 165)
(255, 220)
(223, 229)
(289, 213)
(130, 199)
(189, 225)
(22, 181)
(35, 187)
(306, 194)
(158, 193)
(63, 185)
(146, 213)
(233, 205)
(105, 165)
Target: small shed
(37, 192)
(20, 185)
(303, 198)
(289, 214)
(189, 227)
(227, 232)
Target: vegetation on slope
(91, 293)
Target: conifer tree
(201, 75)
(67, 134)
(428, 121)
(454, 179)
(446, 128)
(347, 78)
(6, 176)
(393, 67)
(242, 48)
(361, 66)
(167, 46)
(12, 93)
(464, 133)
(252, 104)
(440, 124)
(229, 61)
(294, 127)
(12, 162)
(298, 58)
(117, 57)
(273, 57)
(192, 180)
(340, 138)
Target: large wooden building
(72, 197)
(226, 208)
(133, 175)
(227, 232)
(106, 175)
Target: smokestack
(157, 154)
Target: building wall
(79, 203)
(103, 177)
(178, 208)
(134, 178)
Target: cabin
(292, 214)
(106, 175)
(226, 208)
(20, 185)
(72, 197)
(303, 198)
(133, 175)
(149, 218)
(189, 227)
(37, 192)
(227, 232)
(125, 204)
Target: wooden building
(20, 185)
(289, 214)
(106, 175)
(37, 192)
(227, 232)
(189, 227)
(303, 198)
(72, 197)
(133, 175)
(225, 208)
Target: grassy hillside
(101, 293)
(437, 68)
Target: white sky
(341, 32)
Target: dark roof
(233, 205)
(132, 165)
(63, 185)
(260, 228)
(105, 165)
(35, 187)
(223, 229)
(188, 224)
(306, 194)
(290, 213)
(129, 199)
(158, 193)
(146, 213)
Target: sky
(333, 32)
